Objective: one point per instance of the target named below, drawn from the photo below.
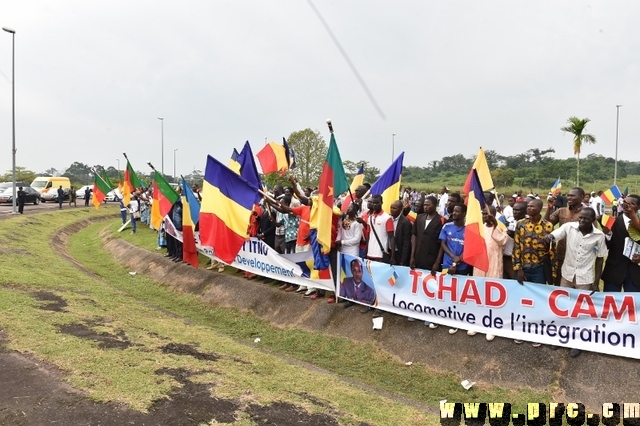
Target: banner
(257, 257)
(602, 322)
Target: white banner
(599, 322)
(257, 257)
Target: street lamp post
(393, 146)
(13, 114)
(162, 143)
(118, 160)
(174, 164)
(615, 168)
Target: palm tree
(576, 128)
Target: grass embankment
(149, 316)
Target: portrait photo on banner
(355, 281)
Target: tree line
(532, 168)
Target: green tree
(494, 160)
(113, 173)
(503, 177)
(371, 173)
(576, 128)
(51, 172)
(311, 151)
(22, 175)
(195, 178)
(79, 172)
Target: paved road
(6, 210)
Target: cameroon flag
(164, 196)
(100, 189)
(333, 181)
(131, 182)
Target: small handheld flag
(557, 187)
(611, 194)
(608, 221)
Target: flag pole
(95, 173)
(330, 125)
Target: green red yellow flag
(164, 196)
(131, 182)
(333, 181)
(101, 188)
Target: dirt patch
(191, 404)
(56, 303)
(106, 340)
(32, 394)
(284, 414)
(181, 349)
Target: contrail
(346, 58)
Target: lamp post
(118, 160)
(393, 146)
(162, 143)
(615, 168)
(13, 114)
(174, 164)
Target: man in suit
(355, 288)
(401, 235)
(426, 230)
(620, 271)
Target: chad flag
(475, 248)
(227, 200)
(611, 194)
(190, 214)
(273, 158)
(233, 161)
(388, 185)
(358, 180)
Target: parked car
(52, 195)
(80, 192)
(113, 196)
(32, 196)
(4, 185)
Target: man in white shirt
(586, 246)
(507, 211)
(381, 243)
(596, 203)
(442, 202)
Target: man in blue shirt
(451, 248)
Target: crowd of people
(564, 246)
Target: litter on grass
(377, 323)
(467, 384)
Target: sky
(446, 77)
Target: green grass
(150, 315)
(363, 362)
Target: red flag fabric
(273, 158)
(164, 196)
